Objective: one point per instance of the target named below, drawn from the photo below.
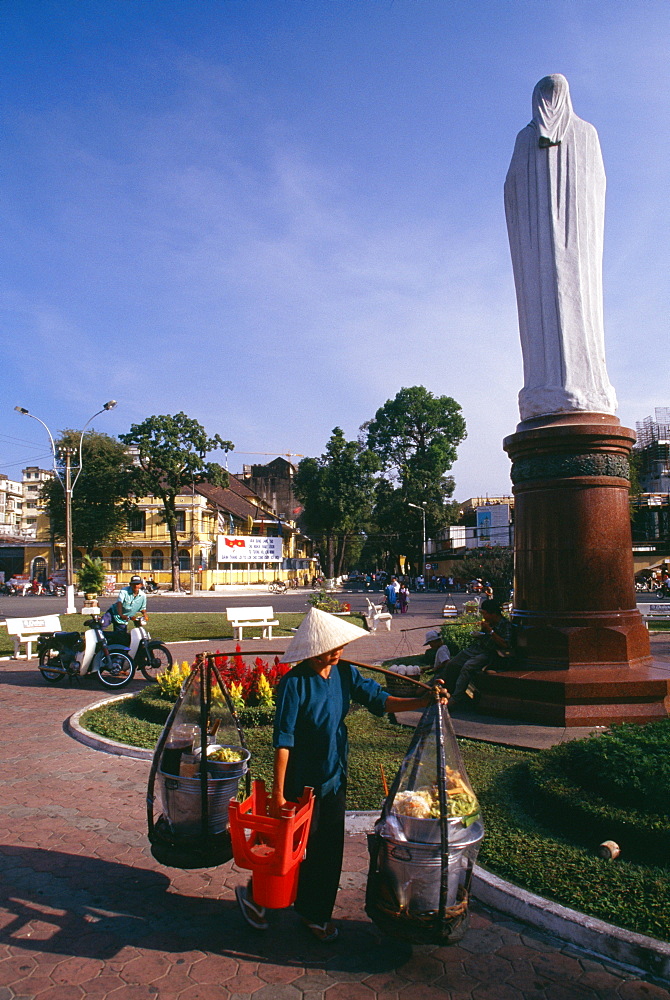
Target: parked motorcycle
(71, 654)
(148, 654)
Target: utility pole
(193, 541)
(70, 608)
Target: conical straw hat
(320, 632)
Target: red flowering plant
(250, 685)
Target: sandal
(322, 932)
(252, 913)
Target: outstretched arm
(416, 704)
(278, 801)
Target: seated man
(459, 672)
(434, 640)
(132, 601)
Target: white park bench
(24, 631)
(241, 618)
(377, 614)
(657, 612)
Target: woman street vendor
(310, 740)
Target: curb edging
(74, 728)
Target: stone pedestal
(582, 642)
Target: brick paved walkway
(87, 912)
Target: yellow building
(206, 517)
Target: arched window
(40, 569)
(116, 561)
(96, 554)
(76, 559)
(136, 560)
(184, 561)
(157, 559)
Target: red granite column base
(579, 696)
(547, 641)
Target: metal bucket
(181, 798)
(415, 869)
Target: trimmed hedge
(459, 633)
(611, 786)
(523, 846)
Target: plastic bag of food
(426, 840)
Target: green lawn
(175, 626)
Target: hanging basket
(426, 840)
(199, 761)
(397, 682)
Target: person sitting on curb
(434, 640)
(461, 670)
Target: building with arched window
(224, 535)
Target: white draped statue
(555, 209)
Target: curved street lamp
(68, 487)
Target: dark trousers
(319, 877)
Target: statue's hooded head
(552, 108)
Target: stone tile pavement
(86, 912)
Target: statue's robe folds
(555, 209)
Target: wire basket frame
(200, 847)
(420, 871)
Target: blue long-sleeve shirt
(309, 722)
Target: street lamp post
(422, 508)
(68, 487)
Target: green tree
(101, 496)
(171, 454)
(416, 437)
(337, 491)
(91, 576)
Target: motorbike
(71, 654)
(8, 589)
(150, 655)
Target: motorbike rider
(132, 601)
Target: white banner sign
(248, 548)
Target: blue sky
(273, 214)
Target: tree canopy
(171, 454)
(337, 491)
(416, 437)
(100, 499)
